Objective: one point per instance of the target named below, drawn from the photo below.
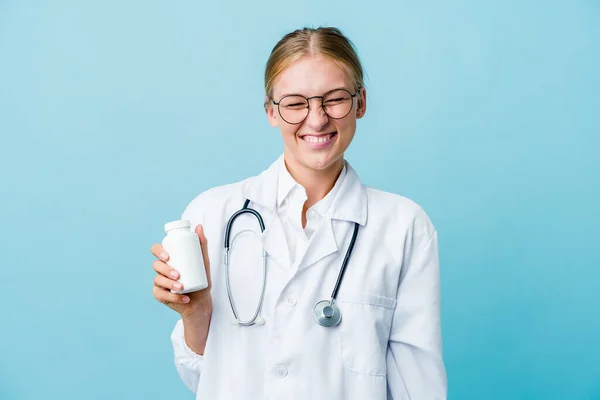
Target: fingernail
(164, 256)
(177, 286)
(173, 274)
(185, 299)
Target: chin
(320, 162)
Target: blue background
(114, 115)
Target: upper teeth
(317, 139)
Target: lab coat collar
(262, 189)
(350, 203)
(285, 183)
(323, 206)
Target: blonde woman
(347, 302)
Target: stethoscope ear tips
(259, 321)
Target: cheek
(288, 131)
(346, 127)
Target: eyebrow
(299, 94)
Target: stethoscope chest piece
(327, 313)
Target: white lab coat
(388, 344)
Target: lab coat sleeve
(187, 363)
(415, 367)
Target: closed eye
(296, 105)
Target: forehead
(311, 76)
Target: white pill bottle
(185, 255)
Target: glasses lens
(293, 109)
(338, 103)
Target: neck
(317, 183)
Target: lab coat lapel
(322, 244)
(262, 191)
(350, 205)
(275, 242)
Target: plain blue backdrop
(115, 114)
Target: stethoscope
(325, 312)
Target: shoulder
(219, 198)
(401, 211)
(212, 199)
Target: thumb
(200, 232)
(203, 241)
(204, 247)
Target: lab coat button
(281, 371)
(291, 301)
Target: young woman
(351, 301)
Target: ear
(361, 108)
(270, 110)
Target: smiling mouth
(318, 138)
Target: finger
(204, 247)
(165, 296)
(158, 251)
(166, 283)
(165, 270)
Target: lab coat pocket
(364, 331)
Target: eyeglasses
(294, 108)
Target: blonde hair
(325, 41)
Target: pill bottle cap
(183, 223)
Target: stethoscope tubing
(324, 319)
(254, 318)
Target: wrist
(201, 311)
(196, 326)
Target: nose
(316, 118)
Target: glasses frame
(352, 96)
